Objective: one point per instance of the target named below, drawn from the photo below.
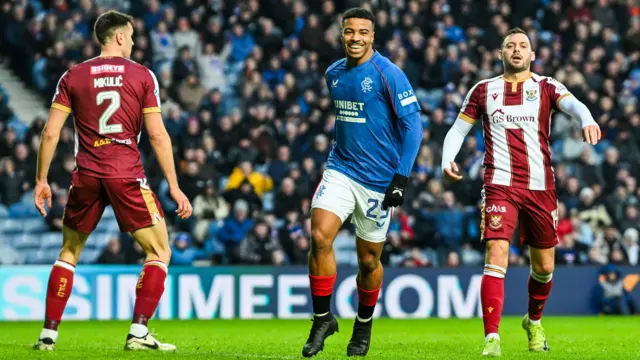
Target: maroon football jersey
(108, 97)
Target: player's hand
(453, 173)
(591, 134)
(184, 206)
(42, 192)
(394, 196)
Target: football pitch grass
(569, 338)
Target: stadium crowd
(245, 101)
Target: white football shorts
(342, 196)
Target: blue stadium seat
(21, 210)
(107, 226)
(100, 240)
(89, 256)
(344, 243)
(51, 240)
(113, 226)
(25, 241)
(49, 256)
(34, 225)
(27, 198)
(33, 257)
(10, 226)
(108, 213)
(103, 226)
(4, 212)
(20, 127)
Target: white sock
(320, 315)
(492, 336)
(48, 333)
(138, 330)
(534, 322)
(363, 320)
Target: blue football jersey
(370, 100)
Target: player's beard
(510, 68)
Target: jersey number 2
(375, 217)
(114, 96)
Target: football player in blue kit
(378, 133)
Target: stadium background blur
(246, 104)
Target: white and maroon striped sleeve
(474, 103)
(557, 91)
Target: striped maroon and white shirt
(516, 120)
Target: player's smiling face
(516, 53)
(357, 37)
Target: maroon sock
(538, 294)
(321, 290)
(492, 297)
(58, 292)
(149, 290)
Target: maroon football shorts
(133, 202)
(537, 211)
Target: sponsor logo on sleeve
(407, 97)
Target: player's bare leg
(154, 240)
(60, 285)
(322, 275)
(492, 293)
(540, 280)
(369, 281)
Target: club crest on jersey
(366, 84)
(495, 222)
(532, 95)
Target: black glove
(394, 196)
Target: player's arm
(563, 100)
(49, 141)
(578, 110)
(407, 110)
(60, 110)
(451, 147)
(469, 112)
(161, 143)
(411, 132)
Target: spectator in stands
(11, 182)
(236, 226)
(259, 247)
(182, 253)
(611, 295)
(134, 254)
(56, 213)
(208, 207)
(453, 260)
(112, 254)
(260, 182)
(630, 246)
(631, 219)
(191, 93)
(449, 224)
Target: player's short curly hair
(513, 31)
(108, 22)
(359, 13)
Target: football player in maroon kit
(515, 110)
(110, 97)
